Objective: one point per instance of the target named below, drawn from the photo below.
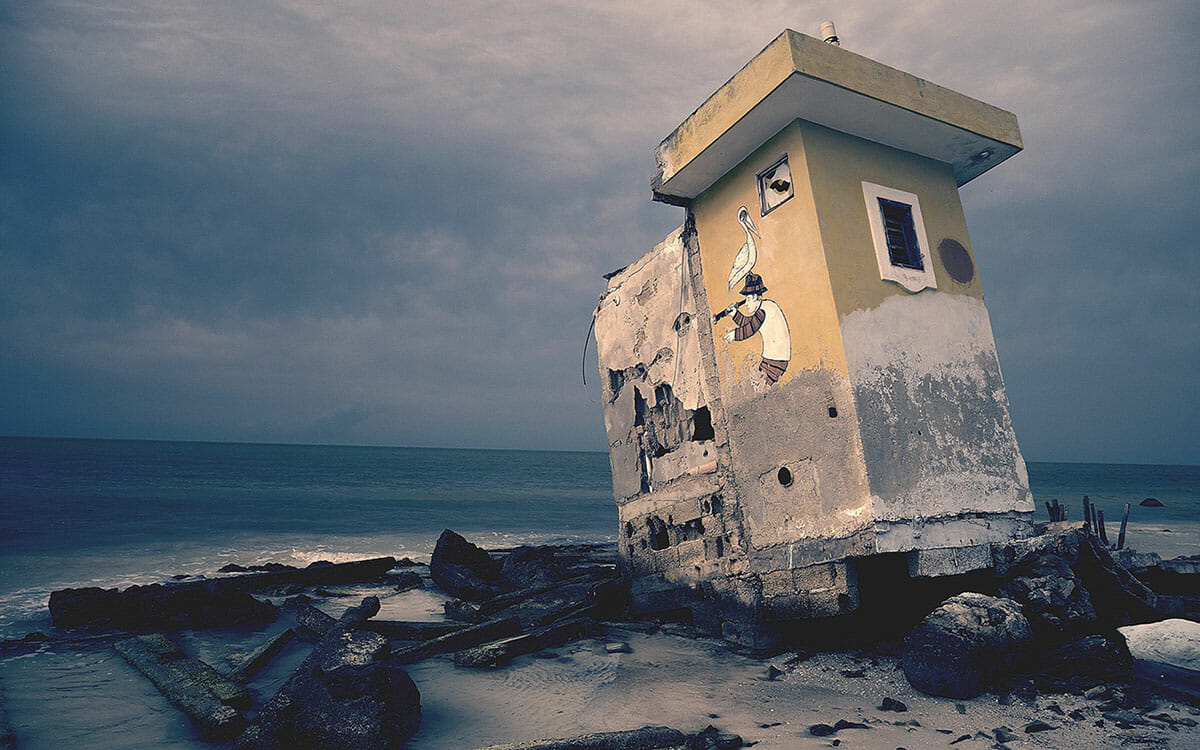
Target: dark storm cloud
(385, 223)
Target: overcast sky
(386, 222)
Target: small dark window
(901, 236)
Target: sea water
(114, 513)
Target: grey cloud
(381, 223)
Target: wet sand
(689, 683)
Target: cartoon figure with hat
(760, 316)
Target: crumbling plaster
(936, 433)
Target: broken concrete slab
(347, 693)
(313, 620)
(260, 657)
(486, 632)
(500, 653)
(199, 604)
(400, 630)
(646, 738)
(172, 606)
(211, 701)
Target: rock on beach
(968, 644)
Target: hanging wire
(586, 339)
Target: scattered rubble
(1053, 631)
(347, 694)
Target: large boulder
(349, 693)
(970, 643)
(462, 569)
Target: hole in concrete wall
(715, 503)
(785, 476)
(659, 536)
(720, 546)
(616, 381)
(832, 412)
(702, 428)
(705, 507)
(639, 407)
(628, 529)
(689, 530)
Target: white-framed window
(774, 185)
(898, 232)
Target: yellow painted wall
(838, 165)
(791, 260)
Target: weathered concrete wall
(677, 528)
(804, 423)
(940, 452)
(937, 438)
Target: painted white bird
(748, 255)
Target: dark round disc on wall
(956, 260)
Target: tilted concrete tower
(803, 376)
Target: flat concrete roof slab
(799, 77)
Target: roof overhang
(799, 77)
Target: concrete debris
(200, 603)
(260, 657)
(347, 693)
(212, 702)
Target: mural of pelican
(748, 255)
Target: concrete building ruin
(803, 376)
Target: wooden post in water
(1100, 525)
(1087, 511)
(1124, 523)
(1049, 510)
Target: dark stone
(843, 724)
(1079, 665)
(406, 581)
(1004, 734)
(347, 694)
(711, 738)
(1038, 726)
(463, 570)
(1057, 606)
(968, 644)
(891, 704)
(461, 611)
(530, 566)
(853, 673)
(821, 730)
(1151, 502)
